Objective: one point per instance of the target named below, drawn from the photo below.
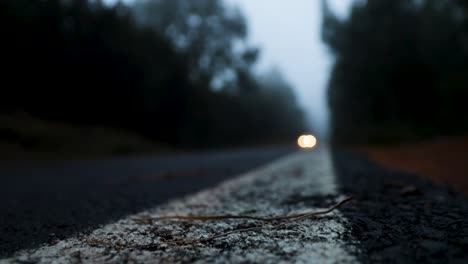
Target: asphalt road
(395, 217)
(400, 217)
(46, 201)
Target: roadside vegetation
(25, 137)
(400, 72)
(177, 73)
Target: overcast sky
(288, 33)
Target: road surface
(45, 201)
(394, 218)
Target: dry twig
(291, 218)
(227, 217)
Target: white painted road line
(298, 183)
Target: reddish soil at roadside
(444, 160)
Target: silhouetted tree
(211, 34)
(85, 63)
(400, 69)
(180, 74)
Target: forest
(400, 72)
(175, 71)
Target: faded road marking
(298, 183)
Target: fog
(288, 34)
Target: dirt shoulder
(444, 160)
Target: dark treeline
(401, 70)
(176, 71)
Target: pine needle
(227, 217)
(291, 219)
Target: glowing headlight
(307, 141)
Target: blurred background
(225, 86)
(92, 77)
(401, 70)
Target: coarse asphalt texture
(46, 201)
(399, 217)
(395, 217)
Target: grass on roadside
(25, 137)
